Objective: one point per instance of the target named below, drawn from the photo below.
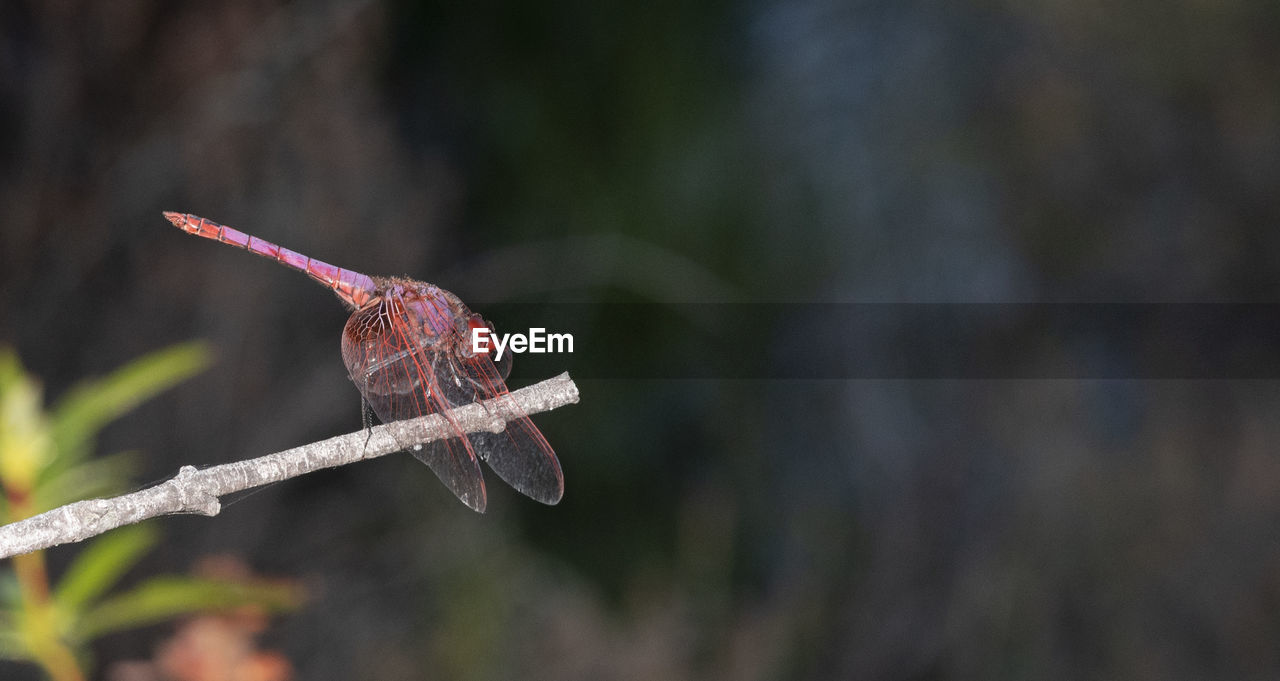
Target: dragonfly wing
(520, 455)
(453, 461)
(399, 380)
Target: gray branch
(197, 491)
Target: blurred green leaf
(44, 461)
(88, 407)
(10, 593)
(9, 367)
(97, 477)
(12, 646)
(165, 597)
(25, 439)
(99, 567)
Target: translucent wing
(395, 368)
(520, 455)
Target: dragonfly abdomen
(353, 288)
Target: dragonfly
(408, 349)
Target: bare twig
(197, 491)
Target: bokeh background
(772, 151)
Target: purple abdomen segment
(353, 288)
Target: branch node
(192, 496)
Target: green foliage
(45, 462)
(99, 566)
(46, 455)
(161, 598)
(76, 420)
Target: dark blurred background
(788, 152)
